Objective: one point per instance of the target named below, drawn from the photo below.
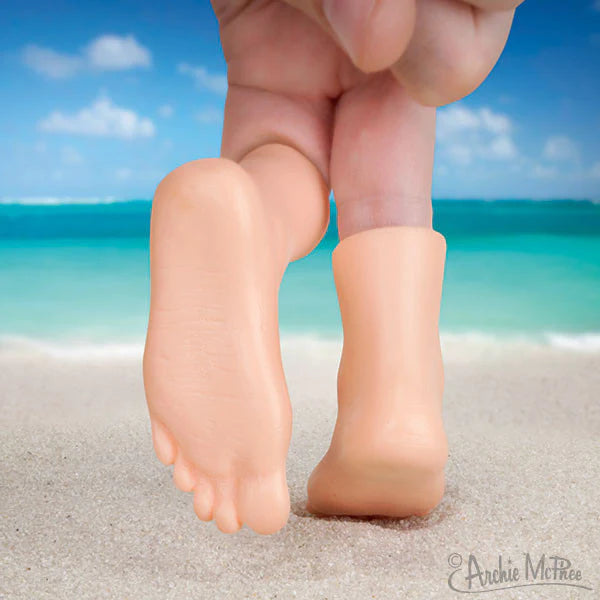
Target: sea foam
(63, 200)
(461, 347)
(584, 342)
(68, 350)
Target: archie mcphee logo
(470, 576)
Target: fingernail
(344, 18)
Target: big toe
(264, 502)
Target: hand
(439, 50)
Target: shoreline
(454, 345)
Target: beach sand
(87, 511)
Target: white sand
(88, 512)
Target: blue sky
(104, 98)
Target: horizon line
(99, 200)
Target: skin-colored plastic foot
(212, 368)
(389, 448)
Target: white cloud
(502, 147)
(70, 156)
(116, 53)
(209, 115)
(458, 119)
(596, 5)
(104, 53)
(166, 111)
(560, 148)
(460, 154)
(543, 172)
(465, 134)
(573, 173)
(50, 63)
(494, 122)
(214, 82)
(103, 118)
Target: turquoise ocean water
(78, 273)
